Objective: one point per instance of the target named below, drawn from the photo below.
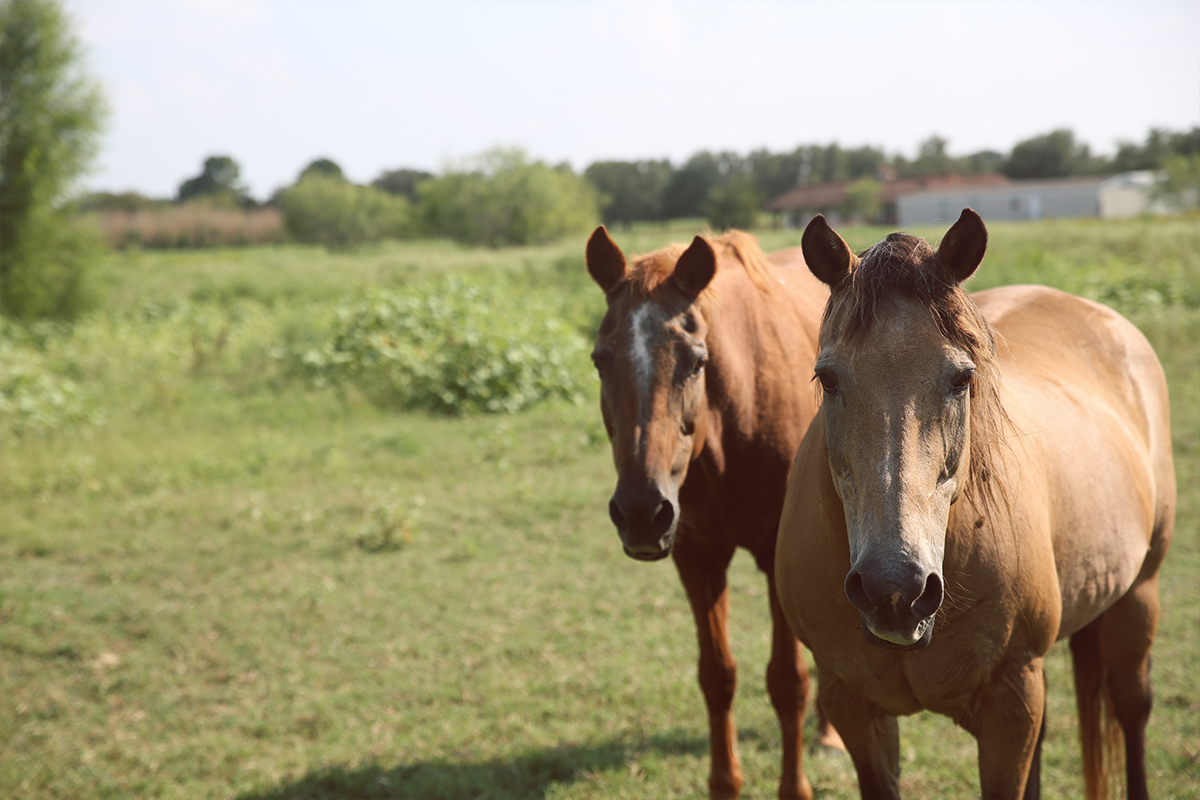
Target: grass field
(220, 580)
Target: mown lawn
(218, 579)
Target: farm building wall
(1123, 195)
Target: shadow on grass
(524, 776)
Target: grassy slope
(241, 587)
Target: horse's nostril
(931, 598)
(663, 519)
(856, 593)
(614, 511)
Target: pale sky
(384, 84)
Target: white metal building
(1123, 195)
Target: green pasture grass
(244, 586)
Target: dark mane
(906, 265)
(651, 270)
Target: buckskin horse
(703, 358)
(987, 475)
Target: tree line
(505, 197)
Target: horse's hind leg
(708, 593)
(787, 683)
(1128, 631)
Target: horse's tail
(1098, 730)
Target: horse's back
(807, 292)
(1088, 401)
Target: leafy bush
(456, 347)
(35, 394)
(324, 209)
(503, 198)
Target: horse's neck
(745, 330)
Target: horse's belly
(1096, 577)
(1101, 501)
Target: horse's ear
(963, 246)
(695, 268)
(827, 254)
(605, 261)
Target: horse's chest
(902, 684)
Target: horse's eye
(700, 363)
(829, 381)
(962, 382)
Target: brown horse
(986, 475)
(703, 357)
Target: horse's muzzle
(897, 608)
(645, 520)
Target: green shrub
(45, 268)
(502, 198)
(456, 347)
(35, 394)
(324, 209)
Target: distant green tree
(322, 166)
(629, 190)
(1179, 184)
(1051, 155)
(503, 198)
(402, 182)
(862, 199)
(932, 158)
(733, 204)
(1160, 145)
(689, 188)
(331, 211)
(218, 182)
(985, 162)
(51, 113)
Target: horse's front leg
(787, 683)
(704, 579)
(871, 736)
(1006, 724)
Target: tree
(322, 166)
(1051, 155)
(402, 182)
(629, 190)
(217, 182)
(862, 199)
(51, 113)
(733, 203)
(503, 198)
(331, 211)
(1179, 184)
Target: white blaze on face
(645, 320)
